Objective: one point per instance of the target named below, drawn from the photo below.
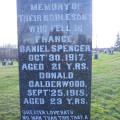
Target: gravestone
(55, 53)
(96, 55)
(10, 62)
(3, 63)
(109, 51)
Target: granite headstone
(55, 53)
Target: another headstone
(109, 51)
(3, 63)
(10, 62)
(96, 55)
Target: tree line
(8, 52)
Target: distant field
(105, 90)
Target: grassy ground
(105, 90)
(9, 103)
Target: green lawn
(105, 90)
(9, 98)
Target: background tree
(117, 44)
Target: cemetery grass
(105, 90)
(9, 96)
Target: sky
(106, 22)
(8, 22)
